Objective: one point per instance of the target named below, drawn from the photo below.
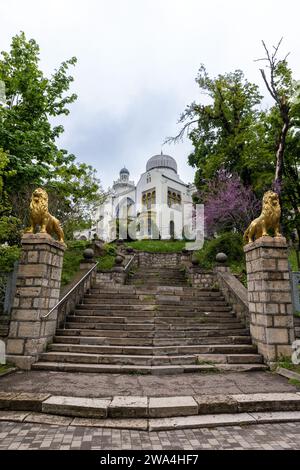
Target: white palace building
(152, 208)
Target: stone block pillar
(269, 296)
(37, 291)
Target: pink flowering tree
(228, 204)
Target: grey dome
(124, 170)
(161, 161)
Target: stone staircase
(155, 276)
(156, 324)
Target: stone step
(126, 291)
(143, 308)
(160, 321)
(150, 316)
(204, 332)
(153, 350)
(152, 300)
(149, 360)
(157, 313)
(155, 370)
(149, 342)
(159, 413)
(158, 328)
(154, 319)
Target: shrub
(8, 256)
(10, 230)
(229, 243)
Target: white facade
(153, 207)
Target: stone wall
(201, 278)
(117, 277)
(269, 296)
(37, 291)
(235, 294)
(163, 260)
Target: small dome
(161, 161)
(123, 171)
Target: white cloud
(137, 60)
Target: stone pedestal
(37, 291)
(269, 296)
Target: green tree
(31, 105)
(227, 130)
(285, 125)
(32, 99)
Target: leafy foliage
(229, 243)
(29, 136)
(229, 130)
(72, 258)
(8, 256)
(229, 205)
(107, 261)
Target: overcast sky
(137, 61)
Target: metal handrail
(67, 295)
(129, 262)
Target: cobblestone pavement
(35, 436)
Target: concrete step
(154, 370)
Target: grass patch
(293, 260)
(157, 246)
(203, 362)
(72, 258)
(286, 363)
(107, 261)
(294, 382)
(5, 367)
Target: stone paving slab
(261, 401)
(134, 423)
(172, 406)
(277, 416)
(75, 406)
(29, 401)
(200, 421)
(132, 407)
(103, 385)
(13, 416)
(43, 418)
(216, 404)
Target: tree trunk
(279, 156)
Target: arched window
(172, 229)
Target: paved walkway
(103, 385)
(264, 436)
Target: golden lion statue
(39, 215)
(268, 219)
